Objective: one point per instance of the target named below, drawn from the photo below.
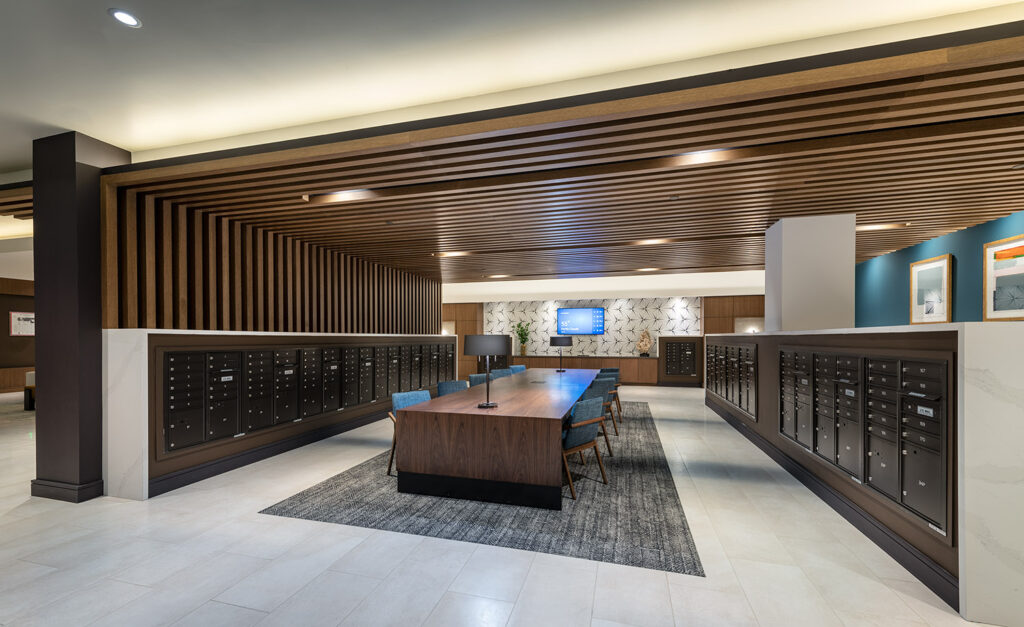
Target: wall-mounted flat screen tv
(581, 321)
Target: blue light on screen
(581, 321)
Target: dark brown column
(66, 222)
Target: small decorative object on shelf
(522, 331)
(643, 345)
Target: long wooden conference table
(511, 453)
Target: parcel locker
(349, 377)
(415, 368)
(924, 488)
(380, 373)
(312, 382)
(804, 425)
(825, 438)
(365, 375)
(286, 385)
(185, 386)
(883, 466)
(849, 446)
(223, 378)
(258, 401)
(332, 379)
(394, 378)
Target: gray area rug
(635, 520)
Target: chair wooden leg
(608, 406)
(618, 405)
(600, 463)
(391, 457)
(604, 432)
(565, 462)
(582, 461)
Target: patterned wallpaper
(625, 319)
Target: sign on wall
(23, 323)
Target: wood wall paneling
(719, 313)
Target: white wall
(16, 258)
(625, 319)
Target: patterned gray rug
(635, 520)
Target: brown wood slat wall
(167, 268)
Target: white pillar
(809, 273)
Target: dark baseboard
(181, 478)
(546, 497)
(933, 576)
(69, 492)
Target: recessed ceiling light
(647, 269)
(498, 276)
(651, 242)
(882, 227)
(1019, 166)
(454, 253)
(345, 195)
(125, 18)
(673, 197)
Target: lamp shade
(487, 345)
(561, 340)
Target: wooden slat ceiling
(927, 139)
(16, 201)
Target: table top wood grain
(534, 393)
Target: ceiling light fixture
(125, 18)
(882, 227)
(651, 242)
(1019, 166)
(345, 195)
(454, 253)
(647, 269)
(497, 276)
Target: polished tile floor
(774, 554)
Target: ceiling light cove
(882, 227)
(346, 195)
(702, 156)
(647, 269)
(497, 276)
(651, 242)
(125, 18)
(454, 253)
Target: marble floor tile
(555, 594)
(464, 610)
(632, 595)
(494, 572)
(214, 614)
(701, 607)
(783, 595)
(325, 601)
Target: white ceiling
(200, 70)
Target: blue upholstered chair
(500, 372)
(516, 369)
(613, 374)
(585, 423)
(477, 379)
(602, 388)
(451, 387)
(401, 400)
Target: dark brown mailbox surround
(790, 421)
(258, 363)
(680, 360)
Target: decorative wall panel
(625, 320)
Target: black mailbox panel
(184, 391)
(223, 382)
(332, 379)
(380, 373)
(883, 466)
(825, 439)
(312, 382)
(394, 377)
(258, 403)
(286, 387)
(924, 483)
(849, 446)
(350, 377)
(415, 368)
(365, 375)
(405, 368)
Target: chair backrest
(401, 400)
(600, 388)
(608, 372)
(477, 379)
(517, 368)
(450, 387)
(583, 411)
(500, 372)
(615, 370)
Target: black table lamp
(487, 345)
(560, 341)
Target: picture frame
(1003, 281)
(931, 287)
(23, 324)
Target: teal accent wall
(883, 283)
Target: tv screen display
(581, 321)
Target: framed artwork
(931, 286)
(23, 324)
(1004, 279)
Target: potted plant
(522, 331)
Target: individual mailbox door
(883, 466)
(923, 483)
(804, 426)
(825, 439)
(849, 446)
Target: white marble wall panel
(625, 319)
(125, 413)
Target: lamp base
(488, 405)
(560, 370)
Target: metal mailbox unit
(732, 375)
